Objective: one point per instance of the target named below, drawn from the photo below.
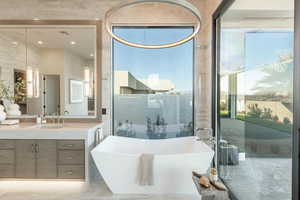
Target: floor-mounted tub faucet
(205, 135)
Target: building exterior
(126, 83)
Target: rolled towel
(145, 169)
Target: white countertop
(32, 131)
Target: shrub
(255, 111)
(267, 114)
(276, 118)
(286, 121)
(223, 106)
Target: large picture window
(153, 88)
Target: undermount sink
(49, 126)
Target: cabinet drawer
(7, 171)
(71, 157)
(7, 144)
(7, 156)
(71, 172)
(70, 144)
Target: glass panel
(256, 93)
(153, 89)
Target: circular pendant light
(182, 3)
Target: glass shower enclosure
(255, 93)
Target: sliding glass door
(254, 113)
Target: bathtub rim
(207, 148)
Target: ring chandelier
(182, 3)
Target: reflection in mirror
(38, 65)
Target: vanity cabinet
(42, 159)
(71, 159)
(7, 158)
(25, 158)
(46, 159)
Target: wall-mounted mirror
(48, 70)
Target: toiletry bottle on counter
(38, 119)
(43, 119)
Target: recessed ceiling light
(15, 43)
(92, 55)
(36, 19)
(72, 42)
(97, 18)
(40, 42)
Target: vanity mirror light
(51, 68)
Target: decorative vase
(13, 109)
(214, 175)
(2, 113)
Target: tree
(6, 92)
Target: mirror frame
(98, 68)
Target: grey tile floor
(260, 179)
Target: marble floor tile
(73, 190)
(60, 190)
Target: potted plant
(5, 94)
(8, 99)
(20, 89)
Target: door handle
(32, 148)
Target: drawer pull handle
(69, 172)
(37, 148)
(70, 158)
(69, 145)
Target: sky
(175, 64)
(265, 47)
(253, 52)
(250, 49)
(240, 49)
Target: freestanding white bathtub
(117, 159)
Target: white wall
(52, 63)
(263, 5)
(74, 70)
